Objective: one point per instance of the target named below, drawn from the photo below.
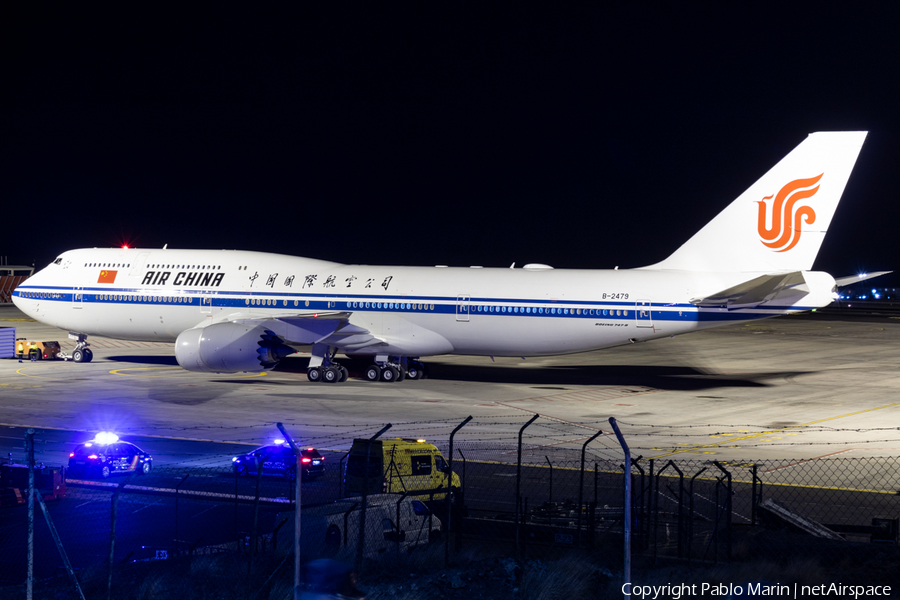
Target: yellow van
(398, 465)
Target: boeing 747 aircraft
(235, 311)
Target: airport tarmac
(818, 385)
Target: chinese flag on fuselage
(107, 276)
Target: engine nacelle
(229, 348)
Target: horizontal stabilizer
(841, 282)
(755, 291)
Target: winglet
(844, 281)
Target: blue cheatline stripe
(421, 304)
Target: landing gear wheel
(373, 373)
(88, 355)
(78, 356)
(415, 371)
(314, 374)
(390, 374)
(344, 373)
(401, 373)
(331, 375)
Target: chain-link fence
(518, 498)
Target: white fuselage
(154, 295)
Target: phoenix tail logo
(781, 230)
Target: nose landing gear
(81, 353)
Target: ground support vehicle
(37, 350)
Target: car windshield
(85, 449)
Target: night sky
(460, 134)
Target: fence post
(690, 536)
(550, 500)
(463, 482)
(754, 500)
(626, 572)
(727, 510)
(639, 524)
(297, 504)
(450, 495)
(362, 515)
(176, 510)
(113, 515)
(29, 451)
(341, 475)
(648, 513)
(519, 478)
(255, 531)
(581, 482)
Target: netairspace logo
(730, 590)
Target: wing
(754, 292)
(331, 328)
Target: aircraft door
(462, 308)
(77, 297)
(138, 265)
(206, 305)
(642, 313)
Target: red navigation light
(124, 246)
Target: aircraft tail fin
(778, 224)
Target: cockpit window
(58, 261)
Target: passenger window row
(588, 312)
(391, 305)
(109, 265)
(141, 298)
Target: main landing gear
(396, 368)
(333, 373)
(322, 367)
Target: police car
(278, 459)
(106, 455)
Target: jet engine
(230, 348)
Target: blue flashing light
(106, 437)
